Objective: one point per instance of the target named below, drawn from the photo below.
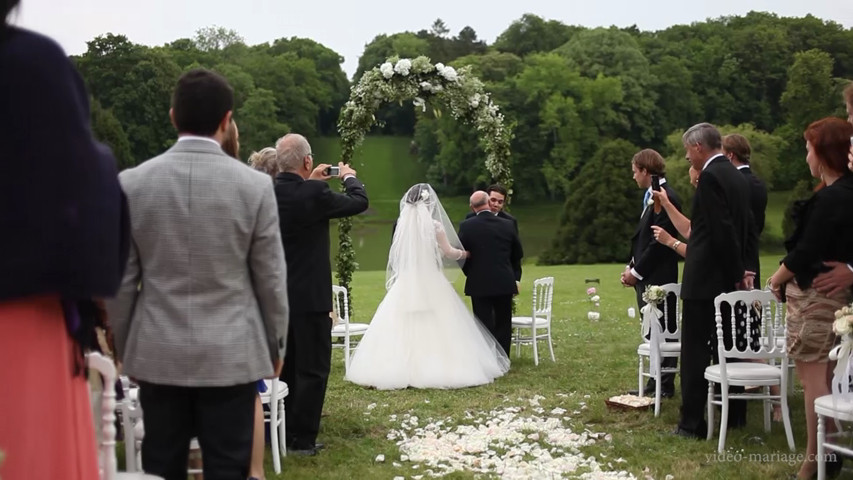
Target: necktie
(646, 198)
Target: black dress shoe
(302, 452)
(680, 432)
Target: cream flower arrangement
(420, 81)
(654, 294)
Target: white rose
(419, 102)
(387, 70)
(449, 74)
(403, 66)
(841, 326)
(426, 86)
(439, 67)
(595, 298)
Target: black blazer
(495, 262)
(823, 231)
(757, 205)
(304, 210)
(657, 263)
(719, 233)
(503, 215)
(63, 216)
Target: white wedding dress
(422, 334)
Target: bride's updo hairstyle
(420, 193)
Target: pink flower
(590, 291)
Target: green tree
(135, 83)
(765, 150)
(809, 95)
(107, 129)
(439, 28)
(531, 34)
(616, 54)
(258, 122)
(333, 88)
(592, 230)
(216, 38)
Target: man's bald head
(479, 201)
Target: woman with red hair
(823, 232)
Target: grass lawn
(594, 358)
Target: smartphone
(333, 171)
(655, 183)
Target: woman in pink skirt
(63, 242)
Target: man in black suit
(497, 200)
(715, 264)
(653, 263)
(494, 268)
(305, 205)
(736, 148)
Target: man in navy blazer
(494, 268)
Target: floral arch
(403, 79)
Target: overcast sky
(347, 25)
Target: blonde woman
(264, 161)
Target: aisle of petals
(511, 442)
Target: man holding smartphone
(653, 263)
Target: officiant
(652, 263)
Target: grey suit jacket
(203, 301)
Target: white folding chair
(747, 373)
(543, 294)
(664, 342)
(344, 328)
(838, 406)
(107, 446)
(274, 397)
(131, 421)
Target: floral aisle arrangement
(654, 296)
(595, 300)
(843, 327)
(420, 81)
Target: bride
(422, 334)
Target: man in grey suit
(202, 311)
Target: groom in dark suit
(497, 201)
(715, 264)
(653, 263)
(305, 205)
(494, 268)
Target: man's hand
(628, 279)
(276, 367)
(319, 172)
(345, 170)
(746, 282)
(834, 281)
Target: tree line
(574, 97)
